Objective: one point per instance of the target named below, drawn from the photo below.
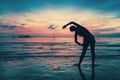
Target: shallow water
(25, 59)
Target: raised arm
(70, 24)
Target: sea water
(52, 59)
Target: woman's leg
(85, 46)
(92, 46)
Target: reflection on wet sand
(84, 77)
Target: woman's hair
(72, 28)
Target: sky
(35, 17)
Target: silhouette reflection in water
(83, 76)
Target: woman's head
(72, 28)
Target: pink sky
(37, 22)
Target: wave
(29, 44)
(98, 56)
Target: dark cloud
(116, 35)
(98, 34)
(9, 27)
(51, 27)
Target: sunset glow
(37, 21)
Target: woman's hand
(64, 27)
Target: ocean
(53, 59)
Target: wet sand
(58, 68)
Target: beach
(21, 59)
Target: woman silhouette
(88, 39)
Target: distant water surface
(55, 47)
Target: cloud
(107, 29)
(51, 27)
(9, 27)
(7, 6)
(116, 35)
(109, 32)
